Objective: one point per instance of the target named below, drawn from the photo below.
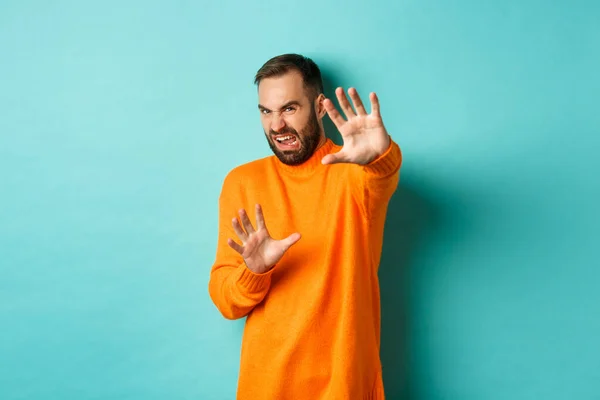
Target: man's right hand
(259, 250)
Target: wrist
(384, 146)
(258, 270)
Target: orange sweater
(313, 321)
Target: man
(304, 272)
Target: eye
(289, 109)
(265, 112)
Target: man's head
(290, 100)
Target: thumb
(334, 158)
(290, 240)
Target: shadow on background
(329, 85)
(409, 219)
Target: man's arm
(367, 145)
(233, 287)
(241, 275)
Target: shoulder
(238, 176)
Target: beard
(309, 139)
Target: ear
(319, 106)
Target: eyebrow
(286, 105)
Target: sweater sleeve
(375, 183)
(233, 287)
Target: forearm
(375, 182)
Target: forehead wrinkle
(277, 91)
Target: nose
(277, 123)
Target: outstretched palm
(259, 250)
(364, 135)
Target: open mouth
(287, 142)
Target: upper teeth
(282, 138)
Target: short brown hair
(281, 64)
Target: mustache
(284, 131)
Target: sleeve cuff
(387, 163)
(252, 282)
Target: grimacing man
(304, 272)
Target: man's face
(289, 118)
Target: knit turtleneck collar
(310, 165)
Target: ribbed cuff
(253, 282)
(386, 163)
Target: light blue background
(119, 120)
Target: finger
(290, 240)
(344, 103)
(374, 104)
(235, 246)
(260, 218)
(246, 222)
(333, 113)
(358, 105)
(238, 230)
(335, 158)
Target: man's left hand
(365, 138)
